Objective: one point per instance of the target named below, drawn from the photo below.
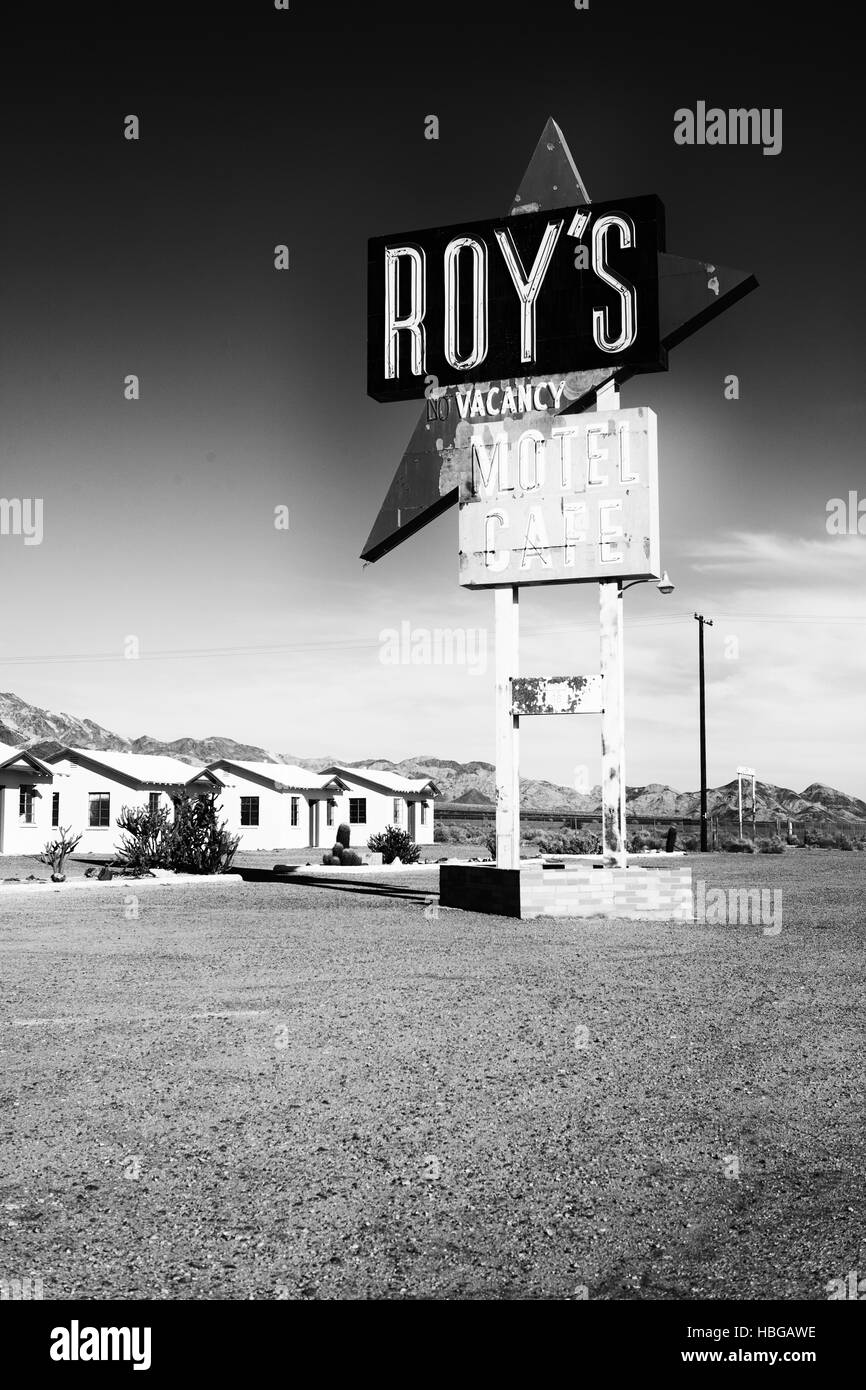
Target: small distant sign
(554, 499)
(745, 772)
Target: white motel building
(272, 806)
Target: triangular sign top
(551, 179)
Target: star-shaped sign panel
(427, 482)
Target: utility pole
(700, 621)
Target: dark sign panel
(565, 290)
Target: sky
(306, 128)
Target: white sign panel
(558, 499)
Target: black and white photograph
(432, 729)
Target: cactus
(337, 851)
(329, 859)
(351, 858)
(344, 834)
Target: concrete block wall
(577, 890)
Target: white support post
(612, 721)
(613, 829)
(507, 615)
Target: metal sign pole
(612, 721)
(612, 656)
(507, 628)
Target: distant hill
(474, 797)
(23, 724)
(465, 784)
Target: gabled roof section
(280, 777)
(203, 774)
(138, 770)
(10, 758)
(387, 781)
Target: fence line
(720, 827)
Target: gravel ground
(283, 1090)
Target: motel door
(314, 823)
(411, 820)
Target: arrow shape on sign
(691, 294)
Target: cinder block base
(577, 889)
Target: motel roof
(281, 777)
(10, 756)
(142, 769)
(388, 781)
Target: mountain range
(469, 784)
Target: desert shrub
(691, 843)
(567, 841)
(644, 840)
(845, 842)
(193, 842)
(450, 834)
(585, 841)
(201, 844)
(739, 846)
(791, 840)
(550, 842)
(55, 851)
(147, 841)
(488, 838)
(344, 834)
(774, 845)
(393, 843)
(822, 839)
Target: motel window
(99, 810)
(153, 803)
(329, 816)
(25, 805)
(295, 804)
(424, 805)
(249, 810)
(55, 809)
(396, 810)
(357, 810)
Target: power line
(313, 648)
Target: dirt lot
(281, 1090)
